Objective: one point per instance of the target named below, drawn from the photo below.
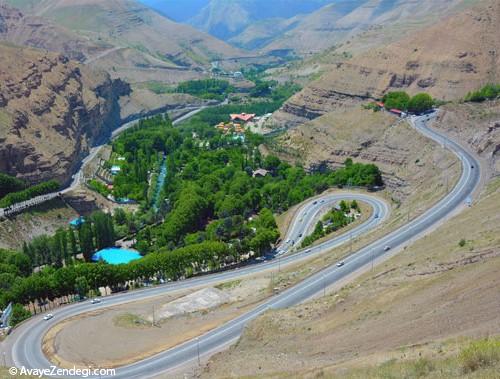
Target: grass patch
(129, 320)
(480, 354)
(228, 285)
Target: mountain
(448, 59)
(144, 45)
(340, 20)
(51, 110)
(227, 20)
(37, 32)
(298, 26)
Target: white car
(48, 316)
(95, 301)
(387, 248)
(340, 264)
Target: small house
(115, 170)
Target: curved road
(26, 345)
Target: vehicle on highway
(287, 241)
(315, 202)
(340, 264)
(95, 301)
(376, 215)
(48, 316)
(387, 248)
(308, 251)
(300, 235)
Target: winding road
(24, 343)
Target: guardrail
(19, 207)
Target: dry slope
(448, 59)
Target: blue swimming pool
(116, 256)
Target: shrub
(29, 193)
(480, 354)
(19, 313)
(461, 243)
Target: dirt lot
(125, 333)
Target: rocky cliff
(52, 110)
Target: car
(340, 264)
(472, 166)
(95, 301)
(322, 201)
(308, 251)
(387, 248)
(315, 202)
(287, 241)
(376, 215)
(300, 235)
(48, 316)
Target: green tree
(82, 286)
(396, 100)
(19, 313)
(420, 103)
(86, 238)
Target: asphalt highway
(24, 343)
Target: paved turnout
(25, 341)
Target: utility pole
(153, 323)
(324, 285)
(198, 349)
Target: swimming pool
(116, 256)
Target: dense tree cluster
(488, 92)
(79, 278)
(10, 184)
(400, 100)
(206, 88)
(29, 193)
(332, 221)
(97, 232)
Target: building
(397, 112)
(260, 172)
(115, 170)
(244, 117)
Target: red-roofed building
(380, 104)
(398, 112)
(242, 117)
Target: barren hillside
(51, 110)
(340, 20)
(142, 41)
(448, 59)
(37, 32)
